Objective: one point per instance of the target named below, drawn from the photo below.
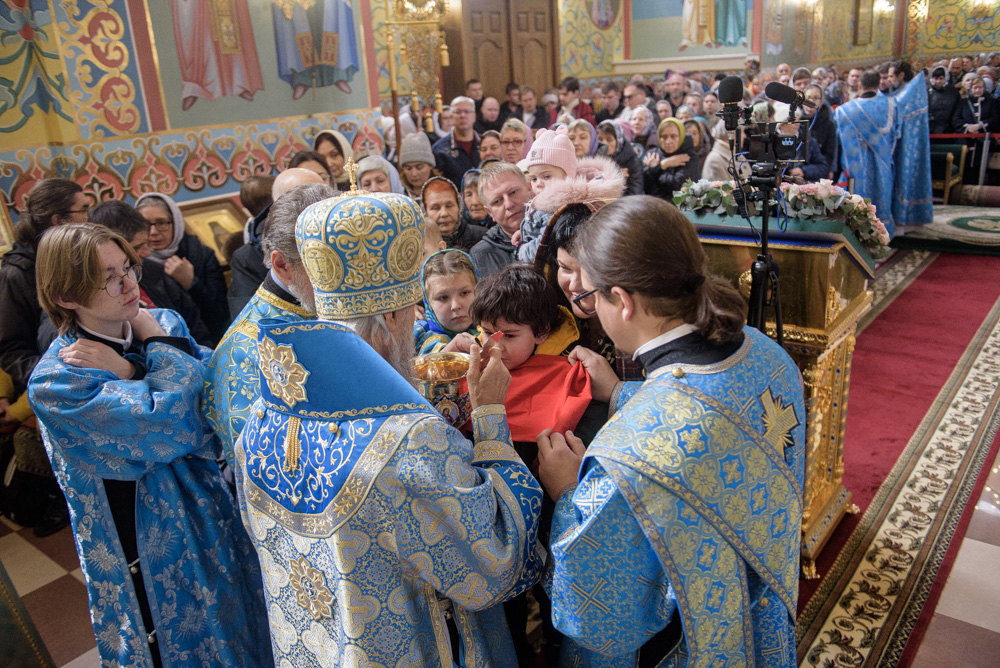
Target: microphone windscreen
(779, 92)
(731, 90)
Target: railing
(985, 136)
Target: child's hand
(515, 239)
(559, 459)
(88, 354)
(602, 377)
(462, 343)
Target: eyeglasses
(512, 142)
(629, 96)
(162, 225)
(578, 302)
(116, 284)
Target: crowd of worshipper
(235, 479)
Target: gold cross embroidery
(591, 598)
(779, 421)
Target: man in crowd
(458, 151)
(784, 73)
(900, 73)
(531, 115)
(474, 91)
(571, 105)
(612, 98)
(512, 107)
(801, 78)
(676, 90)
(399, 550)
(854, 82)
(489, 116)
(504, 192)
(232, 381)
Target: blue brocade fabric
(887, 150)
(232, 382)
(689, 503)
(202, 580)
(372, 517)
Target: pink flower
(824, 190)
(883, 234)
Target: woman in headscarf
(583, 136)
(700, 141)
(186, 260)
(618, 147)
(642, 125)
(515, 140)
(673, 163)
(377, 175)
(716, 165)
(337, 150)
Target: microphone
(730, 95)
(779, 92)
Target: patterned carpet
(865, 609)
(959, 229)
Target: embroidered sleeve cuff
(491, 435)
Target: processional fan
(416, 26)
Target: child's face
(517, 343)
(476, 209)
(539, 176)
(450, 297)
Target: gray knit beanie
(416, 148)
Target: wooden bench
(947, 167)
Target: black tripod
(764, 272)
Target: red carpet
(901, 361)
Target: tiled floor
(965, 631)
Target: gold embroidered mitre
(362, 252)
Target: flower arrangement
(810, 201)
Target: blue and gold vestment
(375, 520)
(232, 383)
(198, 567)
(689, 503)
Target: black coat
(626, 158)
(20, 314)
(465, 236)
(663, 182)
(208, 290)
(452, 161)
(248, 273)
(941, 104)
(493, 252)
(168, 293)
(824, 131)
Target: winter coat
(247, 265)
(465, 236)
(976, 110)
(452, 161)
(168, 293)
(824, 131)
(493, 252)
(941, 103)
(208, 290)
(816, 167)
(625, 157)
(663, 183)
(22, 314)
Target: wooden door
(532, 28)
(486, 44)
(507, 40)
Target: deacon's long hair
(647, 247)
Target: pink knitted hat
(553, 147)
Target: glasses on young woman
(115, 285)
(578, 302)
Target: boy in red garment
(545, 391)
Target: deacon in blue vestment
(386, 538)
(232, 378)
(171, 575)
(886, 149)
(676, 533)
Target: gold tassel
(430, 123)
(402, 54)
(445, 61)
(437, 101)
(415, 104)
(293, 448)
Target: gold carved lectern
(823, 285)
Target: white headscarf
(163, 201)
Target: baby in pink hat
(551, 158)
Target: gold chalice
(438, 376)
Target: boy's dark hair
(609, 86)
(120, 218)
(472, 81)
(521, 296)
(571, 84)
(512, 86)
(255, 193)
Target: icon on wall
(604, 12)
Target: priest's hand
(559, 459)
(488, 377)
(88, 354)
(462, 343)
(602, 377)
